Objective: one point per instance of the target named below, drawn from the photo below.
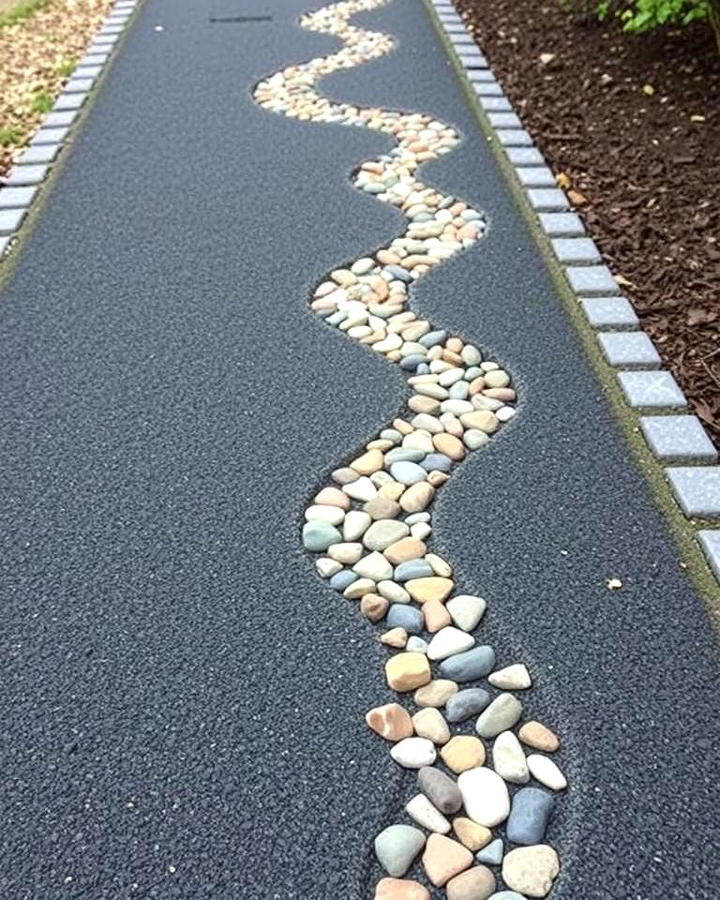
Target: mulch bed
(633, 124)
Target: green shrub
(642, 15)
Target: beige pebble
(430, 588)
(449, 445)
(436, 693)
(430, 723)
(382, 508)
(481, 419)
(538, 736)
(470, 834)
(404, 550)
(407, 671)
(477, 883)
(436, 616)
(369, 462)
(531, 870)
(331, 496)
(463, 752)
(417, 497)
(443, 858)
(395, 637)
(400, 889)
(374, 607)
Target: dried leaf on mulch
(646, 162)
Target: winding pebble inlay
(370, 524)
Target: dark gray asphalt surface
(178, 690)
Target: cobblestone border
(672, 435)
(25, 181)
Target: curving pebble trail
(484, 775)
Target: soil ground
(631, 125)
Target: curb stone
(22, 185)
(670, 435)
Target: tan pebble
(437, 479)
(396, 637)
(415, 330)
(331, 496)
(430, 723)
(438, 565)
(531, 870)
(430, 588)
(454, 344)
(477, 883)
(477, 385)
(407, 671)
(402, 426)
(449, 445)
(536, 735)
(345, 475)
(418, 403)
(417, 497)
(507, 395)
(346, 553)
(391, 722)
(497, 379)
(443, 858)
(400, 889)
(451, 357)
(463, 752)
(387, 258)
(470, 834)
(374, 607)
(436, 693)
(391, 490)
(369, 462)
(382, 508)
(436, 616)
(404, 550)
(380, 444)
(482, 419)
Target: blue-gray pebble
(342, 579)
(414, 568)
(529, 816)
(470, 665)
(407, 472)
(432, 338)
(436, 461)
(467, 703)
(492, 854)
(407, 617)
(318, 535)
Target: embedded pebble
(397, 846)
(503, 713)
(395, 637)
(509, 759)
(407, 472)
(469, 666)
(477, 883)
(443, 858)
(430, 723)
(539, 737)
(373, 607)
(511, 678)
(416, 644)
(422, 811)
(391, 721)
(463, 752)
(466, 611)
(384, 532)
(529, 816)
(318, 535)
(355, 524)
(465, 704)
(407, 671)
(374, 566)
(432, 588)
(531, 870)
(400, 889)
(546, 772)
(492, 855)
(485, 796)
(412, 569)
(440, 789)
(448, 642)
(393, 592)
(436, 693)
(470, 834)
(406, 617)
(414, 752)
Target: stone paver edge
(650, 393)
(24, 184)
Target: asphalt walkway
(181, 697)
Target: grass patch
(10, 136)
(23, 9)
(42, 103)
(66, 67)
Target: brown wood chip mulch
(633, 122)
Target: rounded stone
(413, 568)
(492, 854)
(469, 666)
(444, 858)
(373, 607)
(440, 789)
(400, 889)
(430, 723)
(369, 462)
(417, 497)
(511, 678)
(322, 513)
(384, 532)
(393, 592)
(485, 796)
(414, 752)
(391, 722)
(470, 834)
(529, 816)
(422, 811)
(382, 508)
(435, 693)
(463, 752)
(449, 641)
(348, 553)
(355, 525)
(531, 870)
(466, 611)
(318, 535)
(502, 714)
(539, 737)
(546, 772)
(395, 637)
(509, 759)
(465, 704)
(435, 615)
(431, 588)
(332, 496)
(374, 566)
(407, 671)
(404, 550)
(477, 883)
(407, 472)
(480, 420)
(397, 846)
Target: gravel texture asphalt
(182, 699)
